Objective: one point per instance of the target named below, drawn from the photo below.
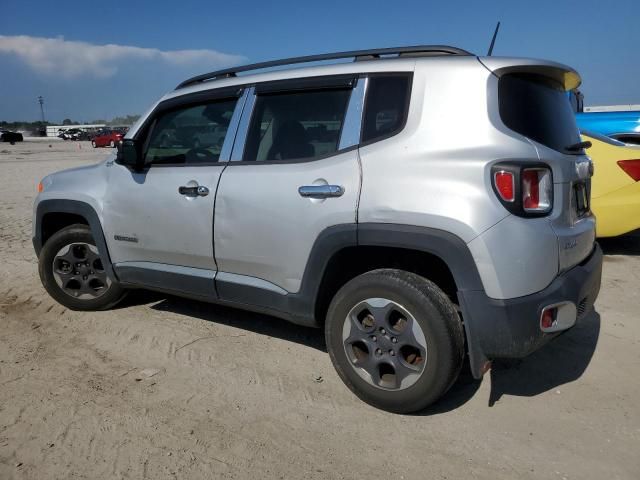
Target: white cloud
(72, 59)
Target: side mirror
(129, 154)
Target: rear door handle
(199, 191)
(321, 191)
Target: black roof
(418, 50)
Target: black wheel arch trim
(79, 208)
(448, 247)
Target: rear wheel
(72, 271)
(395, 339)
(112, 144)
(93, 143)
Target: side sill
(168, 278)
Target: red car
(107, 139)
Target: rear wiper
(578, 147)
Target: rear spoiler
(563, 74)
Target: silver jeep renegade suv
(421, 204)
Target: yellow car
(615, 186)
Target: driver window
(190, 135)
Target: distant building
(613, 108)
(55, 130)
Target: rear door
(294, 173)
(161, 220)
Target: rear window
(538, 108)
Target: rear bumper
(511, 328)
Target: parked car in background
(622, 126)
(73, 134)
(109, 138)
(9, 136)
(615, 185)
(96, 133)
(122, 130)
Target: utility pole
(41, 102)
(42, 131)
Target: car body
(615, 187)
(11, 137)
(98, 132)
(74, 134)
(623, 126)
(344, 197)
(70, 134)
(110, 138)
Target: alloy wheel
(385, 344)
(79, 272)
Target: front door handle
(199, 191)
(321, 191)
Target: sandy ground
(169, 388)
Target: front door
(160, 221)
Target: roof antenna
(493, 40)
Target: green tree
(126, 120)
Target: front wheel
(93, 143)
(395, 339)
(73, 273)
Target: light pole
(41, 102)
(43, 128)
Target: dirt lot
(169, 388)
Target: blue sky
(102, 59)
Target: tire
(92, 288)
(415, 305)
(112, 144)
(93, 143)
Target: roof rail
(434, 50)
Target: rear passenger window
(190, 135)
(386, 106)
(297, 125)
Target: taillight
(524, 188)
(537, 189)
(631, 168)
(505, 185)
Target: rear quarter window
(538, 108)
(386, 106)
